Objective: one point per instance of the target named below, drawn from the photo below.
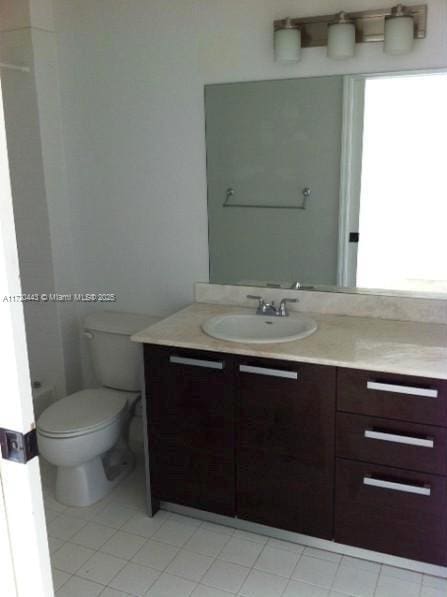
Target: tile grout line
(161, 542)
(300, 557)
(137, 509)
(184, 547)
(251, 568)
(94, 550)
(335, 575)
(214, 559)
(377, 579)
(130, 561)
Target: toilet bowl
(80, 434)
(85, 434)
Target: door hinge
(18, 447)
(354, 237)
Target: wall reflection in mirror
(332, 182)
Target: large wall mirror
(329, 182)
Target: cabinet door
(391, 510)
(285, 445)
(191, 428)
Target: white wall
(132, 77)
(35, 150)
(133, 121)
(54, 170)
(30, 208)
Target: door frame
(350, 177)
(22, 509)
(9, 586)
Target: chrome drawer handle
(396, 486)
(196, 362)
(269, 372)
(399, 439)
(397, 389)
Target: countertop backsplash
(354, 304)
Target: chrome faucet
(270, 308)
(299, 286)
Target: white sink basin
(259, 329)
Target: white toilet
(85, 434)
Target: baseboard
(306, 540)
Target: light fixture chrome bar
(369, 25)
(406, 488)
(7, 66)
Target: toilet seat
(83, 412)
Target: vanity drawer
(392, 443)
(387, 395)
(392, 511)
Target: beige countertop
(356, 342)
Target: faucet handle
(256, 298)
(283, 305)
(261, 302)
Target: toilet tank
(116, 360)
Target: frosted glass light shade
(341, 41)
(399, 35)
(287, 45)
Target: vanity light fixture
(341, 37)
(397, 27)
(399, 31)
(287, 41)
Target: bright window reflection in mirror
(403, 200)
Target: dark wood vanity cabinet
(243, 437)
(391, 483)
(285, 445)
(355, 456)
(191, 428)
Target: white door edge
(8, 581)
(22, 501)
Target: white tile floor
(113, 549)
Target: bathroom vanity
(340, 436)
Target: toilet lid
(83, 411)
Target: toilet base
(89, 482)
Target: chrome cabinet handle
(406, 488)
(196, 362)
(269, 372)
(399, 439)
(398, 389)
